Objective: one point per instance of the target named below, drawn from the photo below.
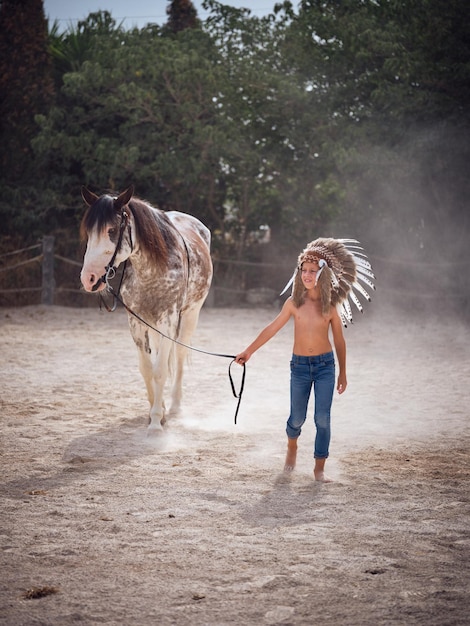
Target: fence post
(48, 282)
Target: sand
(102, 525)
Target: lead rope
(111, 273)
(242, 386)
(236, 395)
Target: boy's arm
(268, 332)
(340, 349)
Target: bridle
(110, 273)
(111, 269)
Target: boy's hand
(342, 383)
(242, 358)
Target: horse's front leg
(157, 409)
(153, 365)
(157, 384)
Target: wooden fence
(240, 282)
(232, 290)
(46, 258)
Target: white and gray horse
(167, 276)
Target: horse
(166, 278)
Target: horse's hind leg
(188, 325)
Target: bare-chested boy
(312, 360)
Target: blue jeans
(305, 371)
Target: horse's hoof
(154, 430)
(172, 415)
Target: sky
(135, 12)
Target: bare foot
(321, 477)
(291, 455)
(318, 472)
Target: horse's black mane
(98, 215)
(154, 231)
(156, 234)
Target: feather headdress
(342, 264)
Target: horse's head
(106, 226)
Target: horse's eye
(111, 231)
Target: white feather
(291, 280)
(364, 271)
(361, 257)
(344, 321)
(362, 261)
(348, 241)
(347, 309)
(366, 281)
(361, 290)
(352, 248)
(356, 301)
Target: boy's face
(309, 271)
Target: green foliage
(273, 131)
(141, 111)
(352, 113)
(70, 49)
(181, 15)
(26, 86)
(393, 79)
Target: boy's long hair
(324, 282)
(335, 277)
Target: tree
(394, 79)
(26, 86)
(70, 49)
(181, 15)
(272, 170)
(213, 123)
(140, 110)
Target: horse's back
(197, 240)
(189, 225)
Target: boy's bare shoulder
(289, 305)
(288, 310)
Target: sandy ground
(100, 525)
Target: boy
(325, 274)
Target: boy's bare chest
(311, 330)
(309, 318)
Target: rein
(111, 273)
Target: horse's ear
(88, 196)
(124, 197)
